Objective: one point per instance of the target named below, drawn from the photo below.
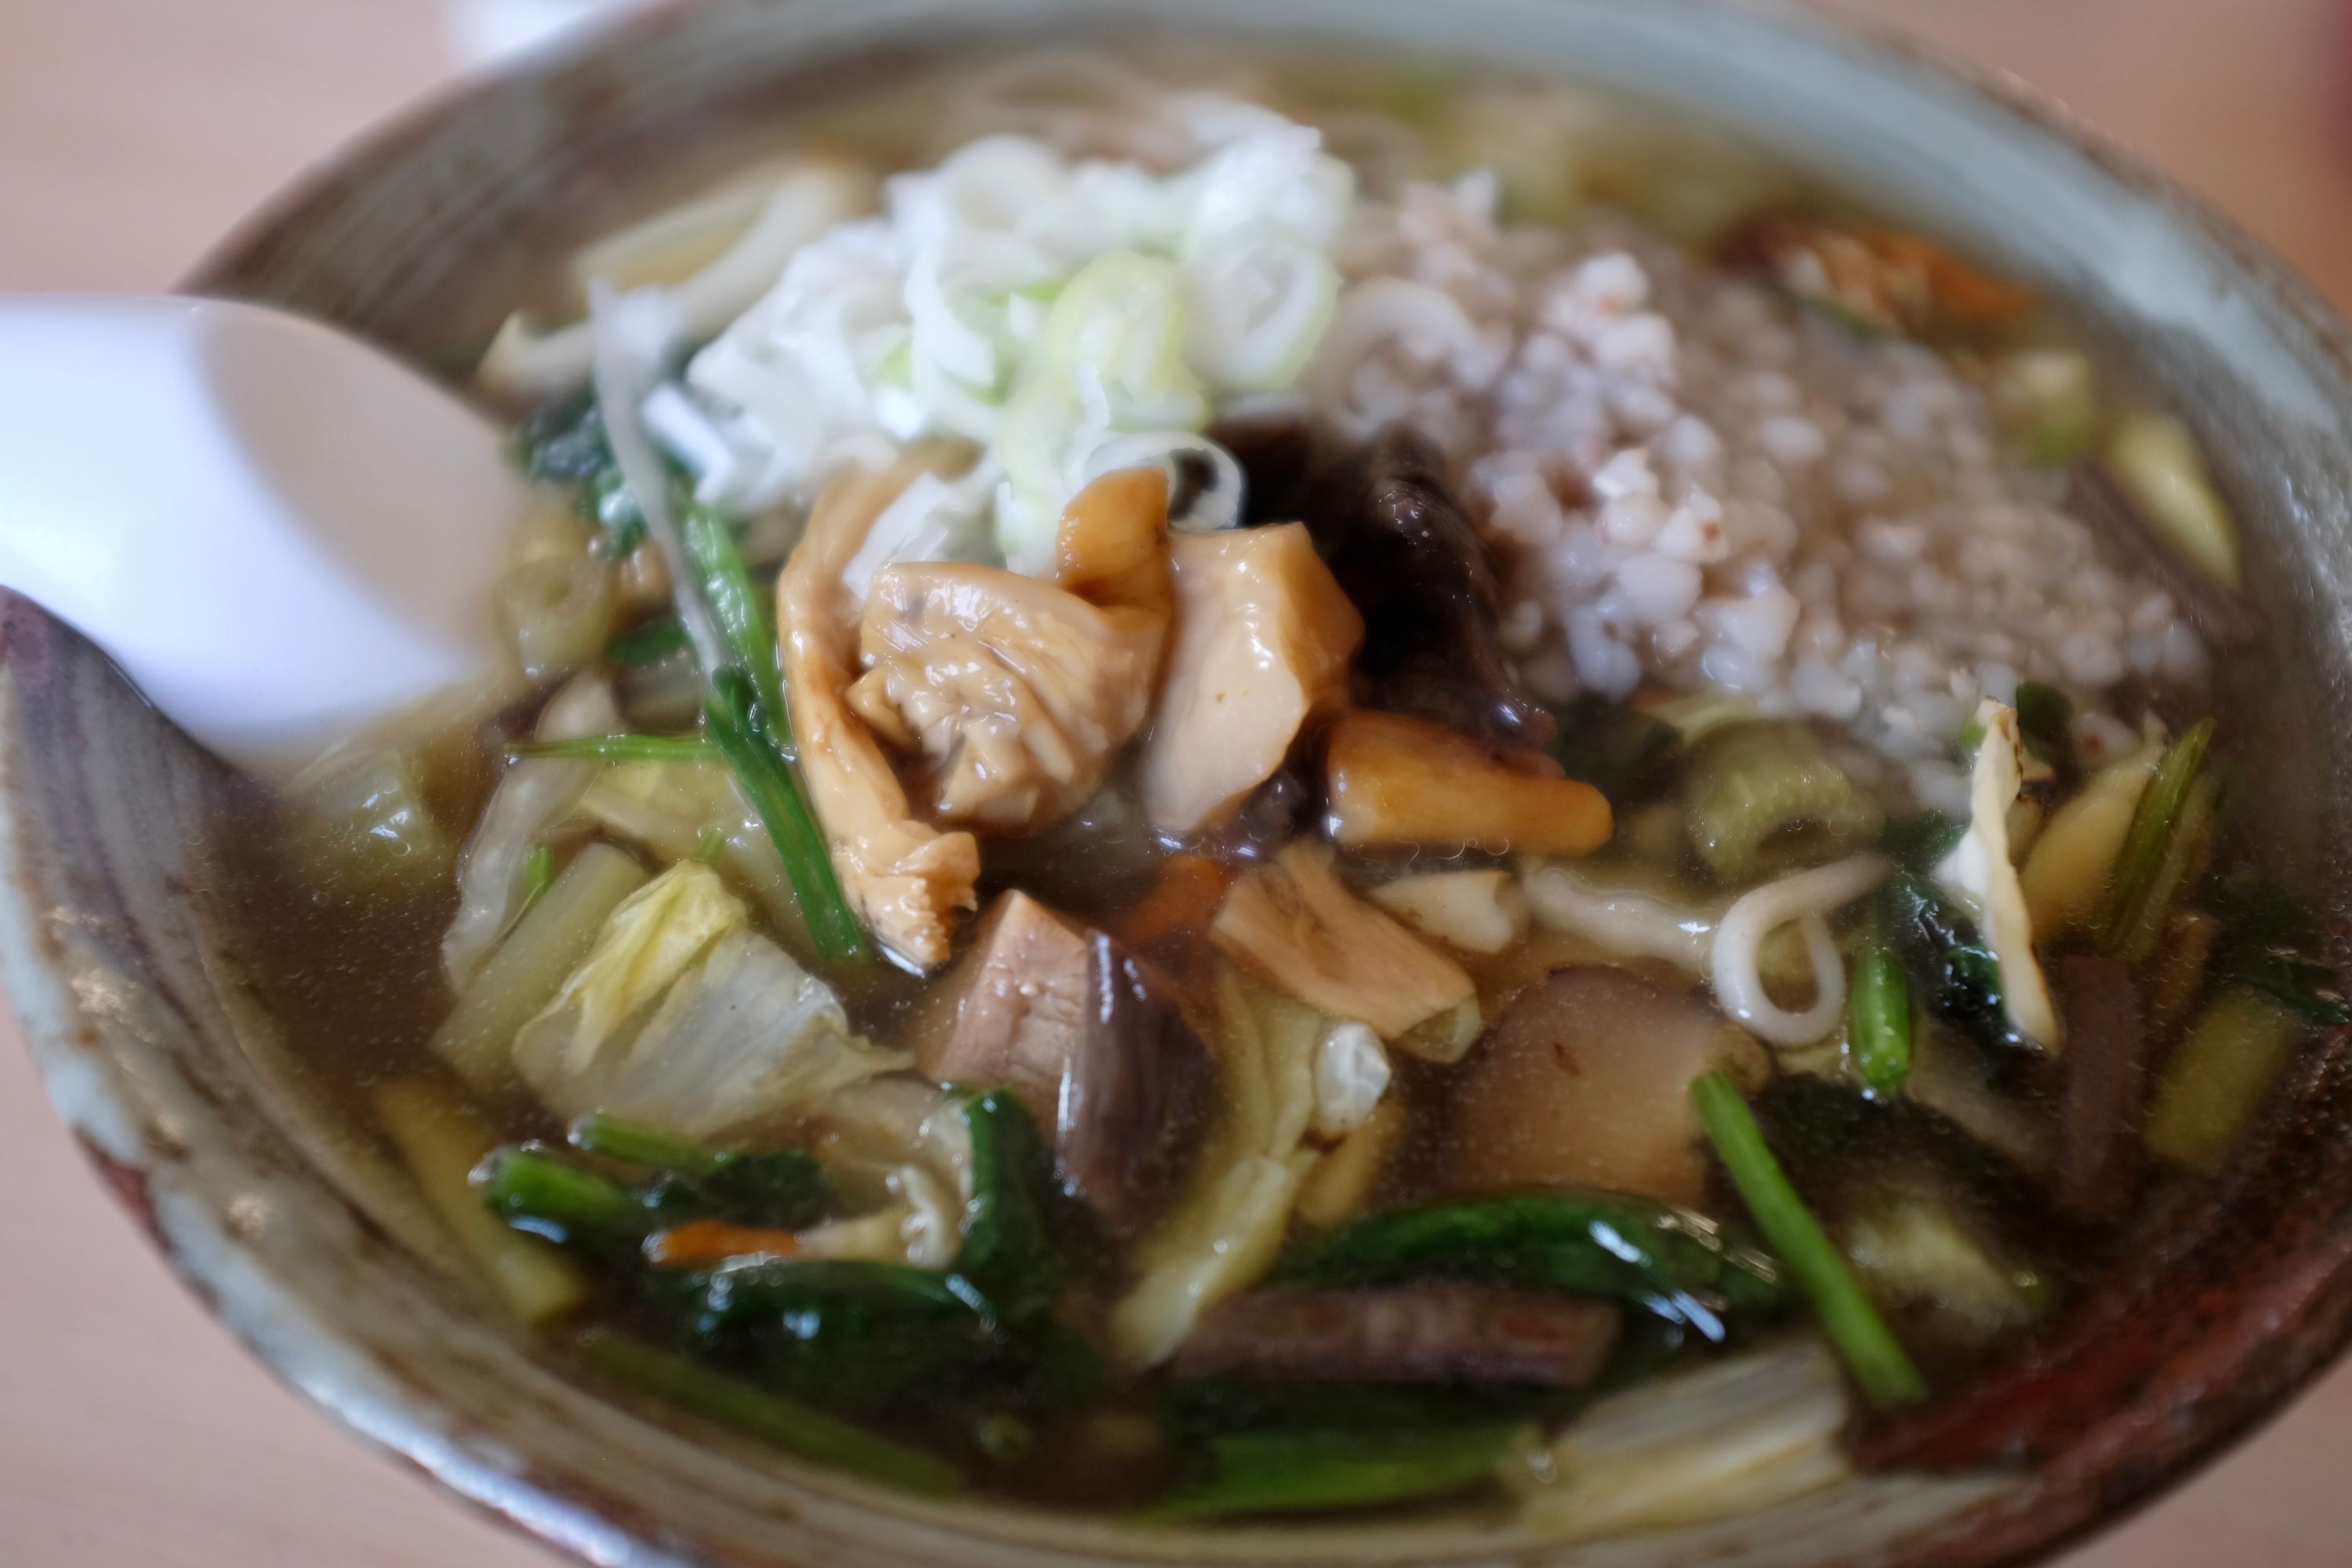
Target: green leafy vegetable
(539, 870)
(634, 1144)
(2043, 714)
(534, 1190)
(1878, 1362)
(2139, 897)
(766, 778)
(784, 1188)
(564, 443)
(1669, 1261)
(1007, 1250)
(1918, 842)
(735, 605)
(1317, 1471)
(1879, 1015)
(1940, 948)
(773, 1418)
(648, 643)
(620, 749)
(1615, 747)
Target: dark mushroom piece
(1276, 457)
(1409, 1335)
(1585, 1080)
(1407, 554)
(1087, 1037)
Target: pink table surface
(132, 132)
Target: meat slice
(1261, 645)
(1412, 1334)
(1405, 552)
(907, 880)
(1585, 1080)
(1087, 1036)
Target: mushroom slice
(1981, 874)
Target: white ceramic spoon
(281, 534)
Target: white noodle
(1622, 921)
(1803, 899)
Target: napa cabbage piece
(532, 795)
(1982, 873)
(683, 1019)
(1742, 1434)
(1226, 1227)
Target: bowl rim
(50, 1013)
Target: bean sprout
(1803, 899)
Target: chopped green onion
(2135, 902)
(773, 1418)
(1884, 1373)
(1879, 1020)
(646, 644)
(1320, 1470)
(765, 778)
(709, 845)
(620, 749)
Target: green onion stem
(1884, 1373)
(1879, 1016)
(766, 779)
(770, 1417)
(2154, 823)
(634, 1144)
(533, 1191)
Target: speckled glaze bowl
(190, 1100)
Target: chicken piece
(1017, 693)
(1395, 780)
(1263, 640)
(1585, 1079)
(1071, 1023)
(1298, 925)
(1444, 1334)
(907, 880)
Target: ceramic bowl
(191, 1103)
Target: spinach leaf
(1671, 1263)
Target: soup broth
(1262, 790)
